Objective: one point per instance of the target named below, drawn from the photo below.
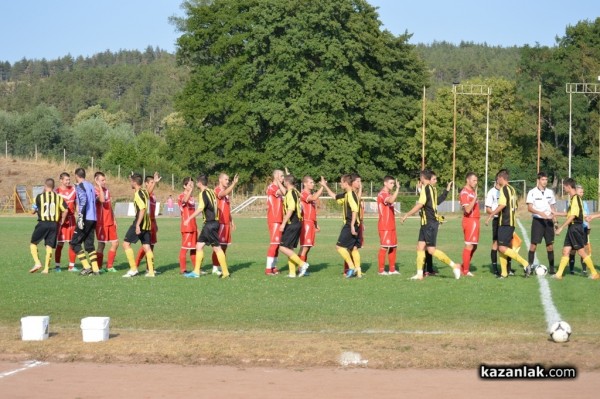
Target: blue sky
(38, 29)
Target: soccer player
(226, 225)
(491, 203)
(430, 221)
(106, 226)
(140, 229)
(170, 205)
(541, 205)
(507, 208)
(587, 230)
(349, 238)
(207, 204)
(309, 228)
(275, 193)
(291, 225)
(65, 233)
(86, 225)
(470, 222)
(575, 238)
(150, 182)
(50, 208)
(189, 231)
(388, 240)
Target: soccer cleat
(85, 272)
(595, 276)
(94, 274)
(102, 271)
(456, 271)
(384, 273)
(303, 269)
(556, 277)
(149, 274)
(223, 276)
(528, 271)
(275, 270)
(350, 273)
(57, 269)
(511, 273)
(45, 271)
(395, 272)
(192, 275)
(131, 273)
(291, 276)
(35, 268)
(416, 277)
(215, 270)
(111, 270)
(469, 274)
(74, 269)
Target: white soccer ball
(541, 270)
(560, 331)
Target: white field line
(550, 311)
(28, 365)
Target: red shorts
(224, 234)
(274, 233)
(106, 233)
(65, 233)
(154, 234)
(471, 230)
(307, 234)
(388, 238)
(188, 239)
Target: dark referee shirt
(50, 206)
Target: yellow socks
(34, 253)
(292, 267)
(356, 260)
(504, 265)
(588, 262)
(564, 261)
(511, 253)
(223, 262)
(346, 255)
(48, 259)
(82, 258)
(150, 262)
(130, 258)
(94, 261)
(199, 259)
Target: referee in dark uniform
(51, 209)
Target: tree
(314, 86)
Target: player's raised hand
(287, 172)
(449, 186)
(157, 177)
(236, 178)
(323, 181)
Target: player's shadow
(239, 266)
(364, 267)
(316, 268)
(166, 268)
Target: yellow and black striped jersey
(430, 201)
(292, 201)
(508, 198)
(575, 209)
(50, 206)
(207, 203)
(141, 203)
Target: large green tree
(314, 86)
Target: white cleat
(456, 272)
(303, 269)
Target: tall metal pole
(487, 140)
(454, 150)
(423, 139)
(539, 129)
(570, 128)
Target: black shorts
(576, 237)
(428, 234)
(542, 228)
(131, 237)
(85, 236)
(505, 236)
(210, 234)
(291, 235)
(495, 229)
(46, 231)
(347, 240)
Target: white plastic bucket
(95, 329)
(35, 328)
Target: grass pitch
(438, 322)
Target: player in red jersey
(470, 222)
(66, 230)
(106, 226)
(226, 225)
(189, 232)
(151, 182)
(308, 200)
(387, 225)
(275, 194)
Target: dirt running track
(94, 380)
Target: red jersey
(309, 208)
(224, 205)
(69, 195)
(387, 219)
(187, 209)
(274, 204)
(152, 207)
(466, 197)
(104, 212)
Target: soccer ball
(541, 270)
(560, 331)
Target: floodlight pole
(454, 148)
(423, 143)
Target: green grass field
(324, 301)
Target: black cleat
(85, 272)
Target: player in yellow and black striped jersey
(207, 204)
(291, 226)
(507, 209)
(430, 221)
(575, 238)
(349, 239)
(51, 209)
(140, 229)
